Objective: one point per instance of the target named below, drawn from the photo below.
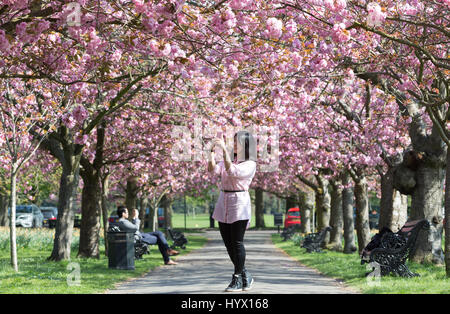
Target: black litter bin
(121, 250)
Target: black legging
(233, 237)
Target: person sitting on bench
(156, 237)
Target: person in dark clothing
(150, 238)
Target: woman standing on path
(233, 207)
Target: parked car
(50, 214)
(29, 216)
(292, 217)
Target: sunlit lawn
(202, 221)
(347, 267)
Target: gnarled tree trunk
(65, 219)
(422, 176)
(393, 204)
(306, 204)
(447, 217)
(104, 207)
(387, 199)
(131, 193)
(166, 203)
(362, 211)
(90, 215)
(143, 204)
(91, 199)
(259, 208)
(4, 220)
(336, 216)
(347, 209)
(323, 206)
(399, 211)
(426, 203)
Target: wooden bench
(389, 251)
(313, 241)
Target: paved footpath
(208, 270)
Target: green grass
(201, 221)
(37, 275)
(347, 267)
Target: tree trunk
(447, 216)
(4, 220)
(151, 217)
(323, 204)
(90, 215)
(61, 146)
(399, 211)
(131, 193)
(426, 203)
(362, 212)
(347, 209)
(104, 207)
(336, 216)
(306, 203)
(259, 208)
(393, 204)
(12, 230)
(143, 203)
(168, 212)
(387, 199)
(91, 199)
(64, 222)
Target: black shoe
(247, 280)
(236, 284)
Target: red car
(292, 217)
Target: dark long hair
(247, 141)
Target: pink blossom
(167, 49)
(339, 33)
(229, 19)
(340, 5)
(4, 43)
(80, 114)
(81, 139)
(154, 46)
(140, 6)
(69, 121)
(233, 71)
(274, 27)
(203, 86)
(296, 44)
(240, 4)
